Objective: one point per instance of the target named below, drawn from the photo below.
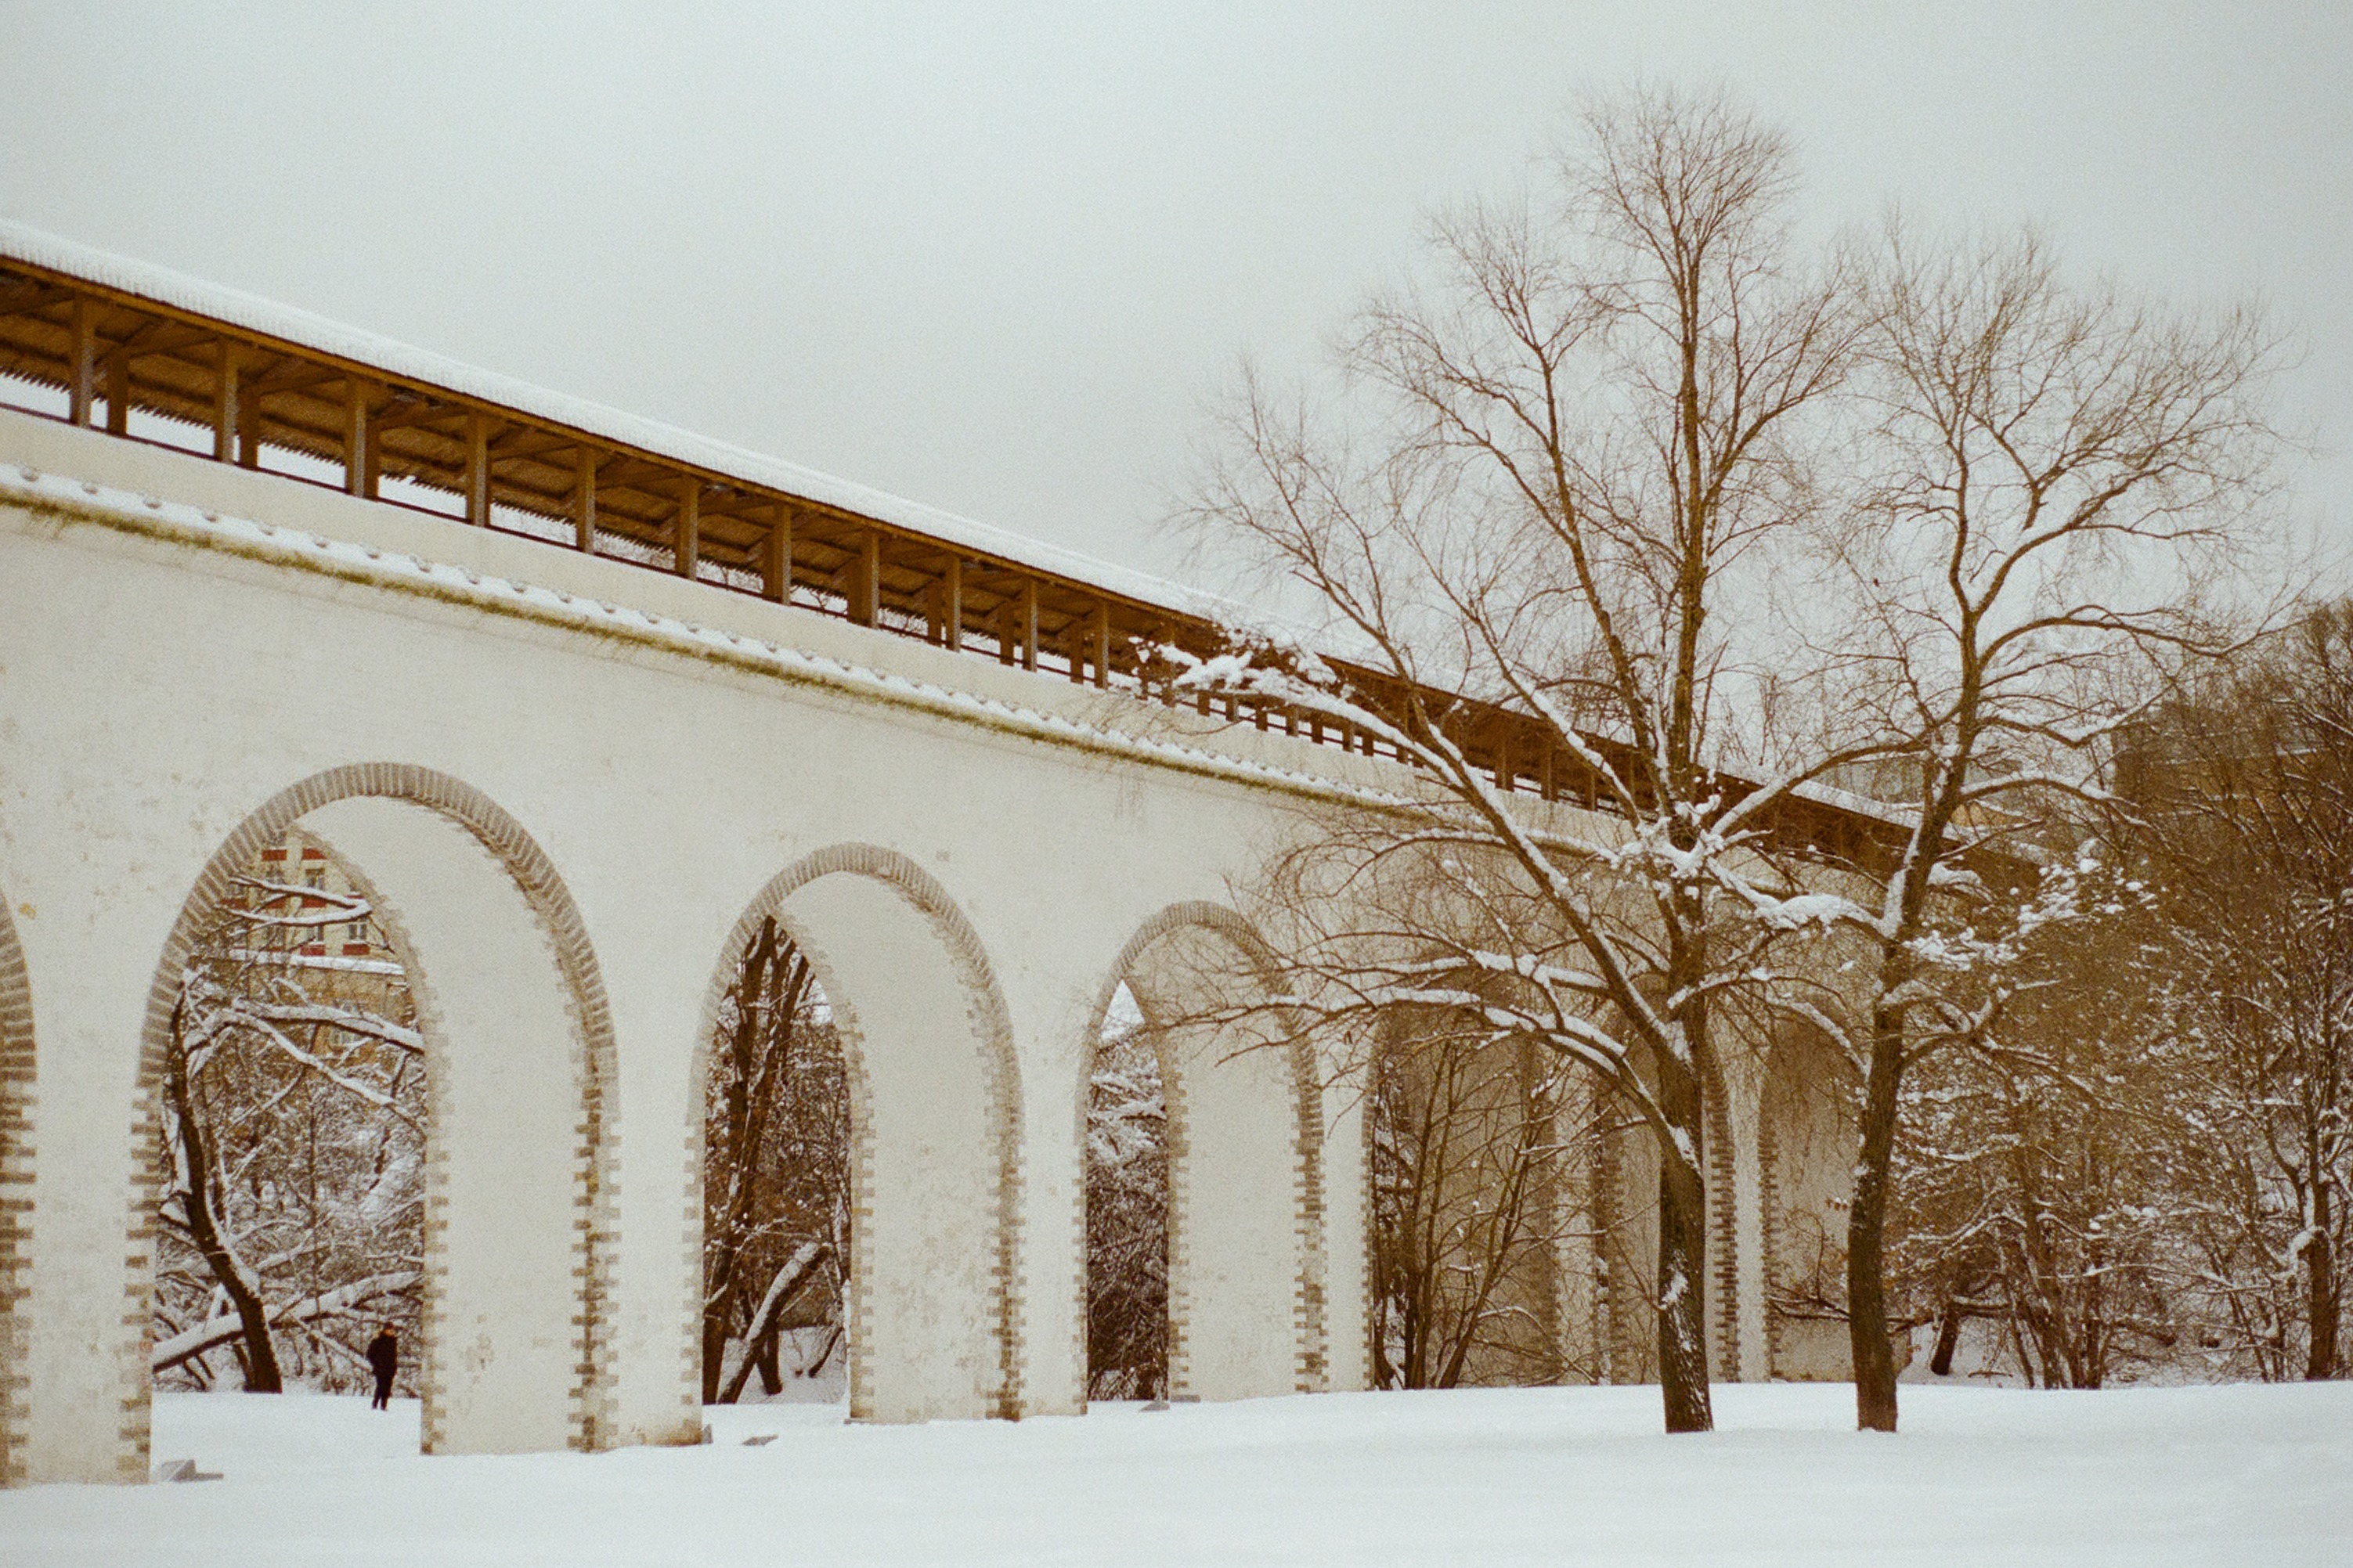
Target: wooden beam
(408, 410)
(1548, 772)
(777, 558)
(225, 419)
(161, 337)
(686, 527)
(292, 376)
(477, 470)
(1098, 624)
(359, 468)
(584, 500)
(25, 297)
(80, 374)
(521, 441)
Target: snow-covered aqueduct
(258, 571)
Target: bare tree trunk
(1682, 1256)
(790, 1280)
(254, 1354)
(719, 1290)
(1949, 1339)
(2320, 1279)
(1866, 1234)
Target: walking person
(383, 1355)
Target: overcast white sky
(994, 258)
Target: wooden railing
(143, 369)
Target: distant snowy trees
(1128, 1219)
(293, 1133)
(2141, 1163)
(2245, 792)
(777, 1174)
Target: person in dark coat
(383, 1355)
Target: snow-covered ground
(2237, 1476)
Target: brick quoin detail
(15, 1185)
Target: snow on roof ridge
(22, 242)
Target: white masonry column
(1346, 1235)
(1748, 1357)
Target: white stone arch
(16, 1181)
(1805, 1138)
(520, 1059)
(934, 1091)
(1246, 1245)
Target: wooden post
(477, 470)
(248, 427)
(1017, 627)
(686, 528)
(1548, 773)
(584, 501)
(118, 392)
(356, 467)
(1506, 775)
(225, 414)
(80, 394)
(777, 558)
(863, 587)
(1099, 626)
(952, 605)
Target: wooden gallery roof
(153, 356)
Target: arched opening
(16, 1172)
(927, 1055)
(777, 1202)
(510, 1020)
(1478, 1153)
(1127, 1210)
(1243, 1133)
(1807, 1152)
(290, 1248)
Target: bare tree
(293, 1131)
(1587, 437)
(2052, 473)
(775, 1246)
(1477, 1158)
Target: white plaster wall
(1347, 1258)
(926, 1288)
(153, 693)
(1239, 1225)
(1811, 1186)
(502, 1329)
